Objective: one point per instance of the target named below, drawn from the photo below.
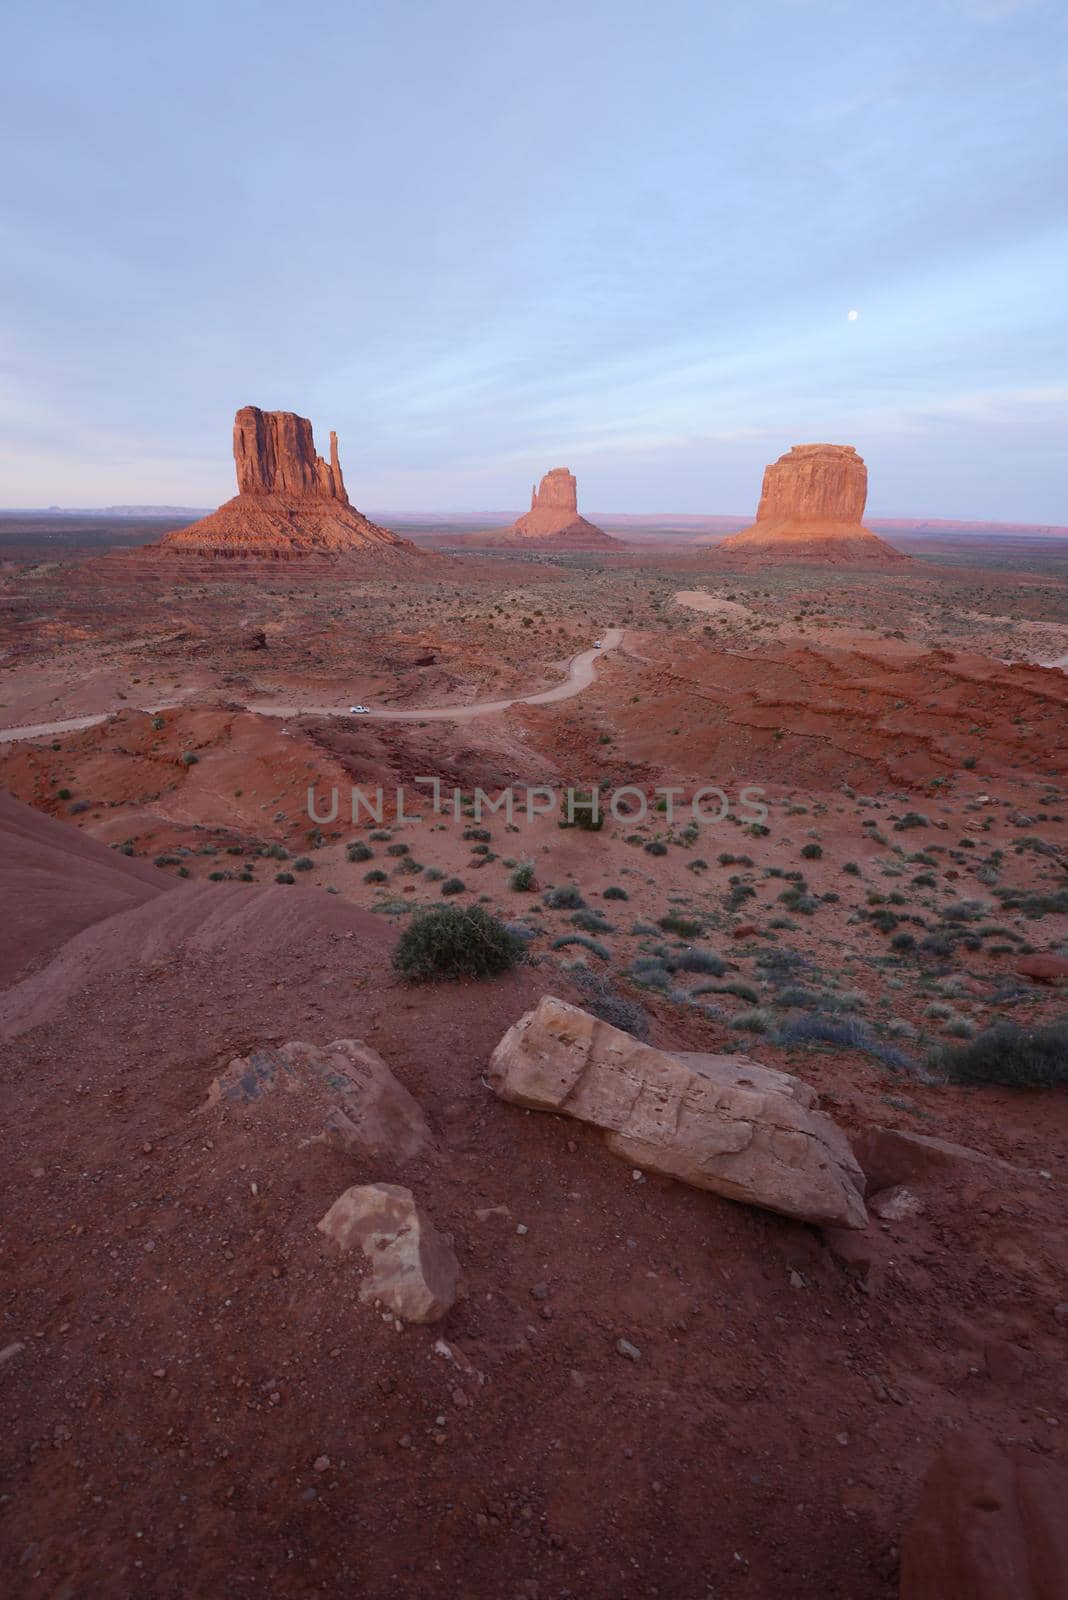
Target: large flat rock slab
(723, 1123)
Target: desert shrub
(374, 877)
(522, 878)
(219, 877)
(591, 922)
(1006, 1054)
(650, 972)
(794, 995)
(397, 849)
(911, 819)
(812, 851)
(409, 865)
(381, 835)
(189, 759)
(481, 835)
(753, 1020)
(284, 877)
(594, 946)
(79, 806)
(434, 874)
(564, 897)
(702, 961)
(582, 810)
(849, 1033)
(736, 987)
(699, 865)
(614, 892)
(603, 1001)
(455, 942)
(453, 886)
(303, 864)
(685, 927)
(903, 942)
(852, 868)
(656, 847)
(64, 794)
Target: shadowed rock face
(290, 502)
(811, 503)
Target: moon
(851, 316)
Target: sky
(482, 239)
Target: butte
(552, 523)
(290, 503)
(811, 504)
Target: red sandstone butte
(290, 502)
(810, 508)
(554, 518)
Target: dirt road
(580, 675)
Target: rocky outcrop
(718, 1122)
(348, 1096)
(811, 504)
(290, 502)
(990, 1526)
(412, 1268)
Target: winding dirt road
(580, 674)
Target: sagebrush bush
(522, 878)
(685, 927)
(812, 852)
(455, 942)
(565, 897)
(614, 892)
(1006, 1054)
(453, 886)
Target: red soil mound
(57, 882)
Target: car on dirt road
(359, 711)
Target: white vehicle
(359, 711)
(597, 644)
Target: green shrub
(64, 794)
(358, 851)
(812, 852)
(189, 759)
(1006, 1054)
(374, 877)
(614, 892)
(656, 847)
(397, 849)
(303, 864)
(284, 877)
(455, 942)
(522, 879)
(453, 886)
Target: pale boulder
(718, 1122)
(413, 1270)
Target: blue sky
(482, 239)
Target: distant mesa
(290, 502)
(810, 508)
(553, 521)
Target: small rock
(321, 1464)
(413, 1268)
(629, 1350)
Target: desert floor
(177, 1351)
